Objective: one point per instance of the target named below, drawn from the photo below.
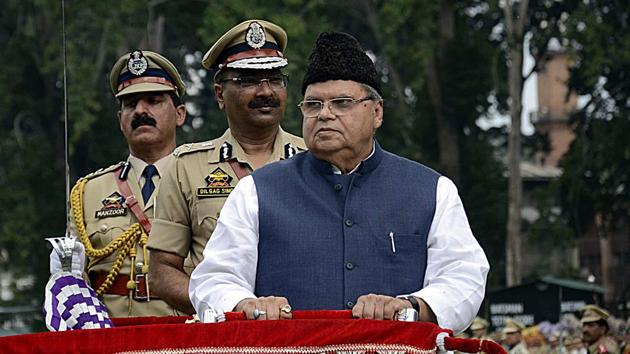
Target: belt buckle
(136, 291)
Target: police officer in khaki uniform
(574, 345)
(512, 337)
(479, 328)
(595, 331)
(112, 208)
(251, 89)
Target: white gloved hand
(78, 260)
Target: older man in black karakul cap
(372, 232)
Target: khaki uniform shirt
(195, 189)
(604, 344)
(101, 192)
(520, 348)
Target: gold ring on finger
(286, 309)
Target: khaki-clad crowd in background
(595, 332)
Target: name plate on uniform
(106, 213)
(209, 192)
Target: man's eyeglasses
(275, 82)
(337, 106)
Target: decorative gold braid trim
(332, 348)
(124, 243)
(144, 239)
(125, 250)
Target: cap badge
(137, 63)
(255, 35)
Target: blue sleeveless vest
(326, 239)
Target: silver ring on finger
(407, 315)
(257, 313)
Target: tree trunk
(154, 39)
(447, 132)
(514, 35)
(606, 256)
(370, 14)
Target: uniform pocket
(208, 209)
(104, 231)
(206, 213)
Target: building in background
(545, 254)
(602, 259)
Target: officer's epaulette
(297, 142)
(105, 170)
(193, 147)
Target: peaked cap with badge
(252, 44)
(339, 56)
(512, 326)
(478, 323)
(145, 71)
(593, 313)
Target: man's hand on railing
(379, 307)
(383, 307)
(265, 308)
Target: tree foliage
(594, 34)
(598, 37)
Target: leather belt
(119, 286)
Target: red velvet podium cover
(302, 334)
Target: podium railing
(308, 332)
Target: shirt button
(348, 223)
(349, 266)
(338, 187)
(349, 304)
(103, 227)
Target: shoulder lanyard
(131, 201)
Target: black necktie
(148, 187)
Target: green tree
(596, 189)
(593, 189)
(32, 110)
(31, 117)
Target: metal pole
(65, 114)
